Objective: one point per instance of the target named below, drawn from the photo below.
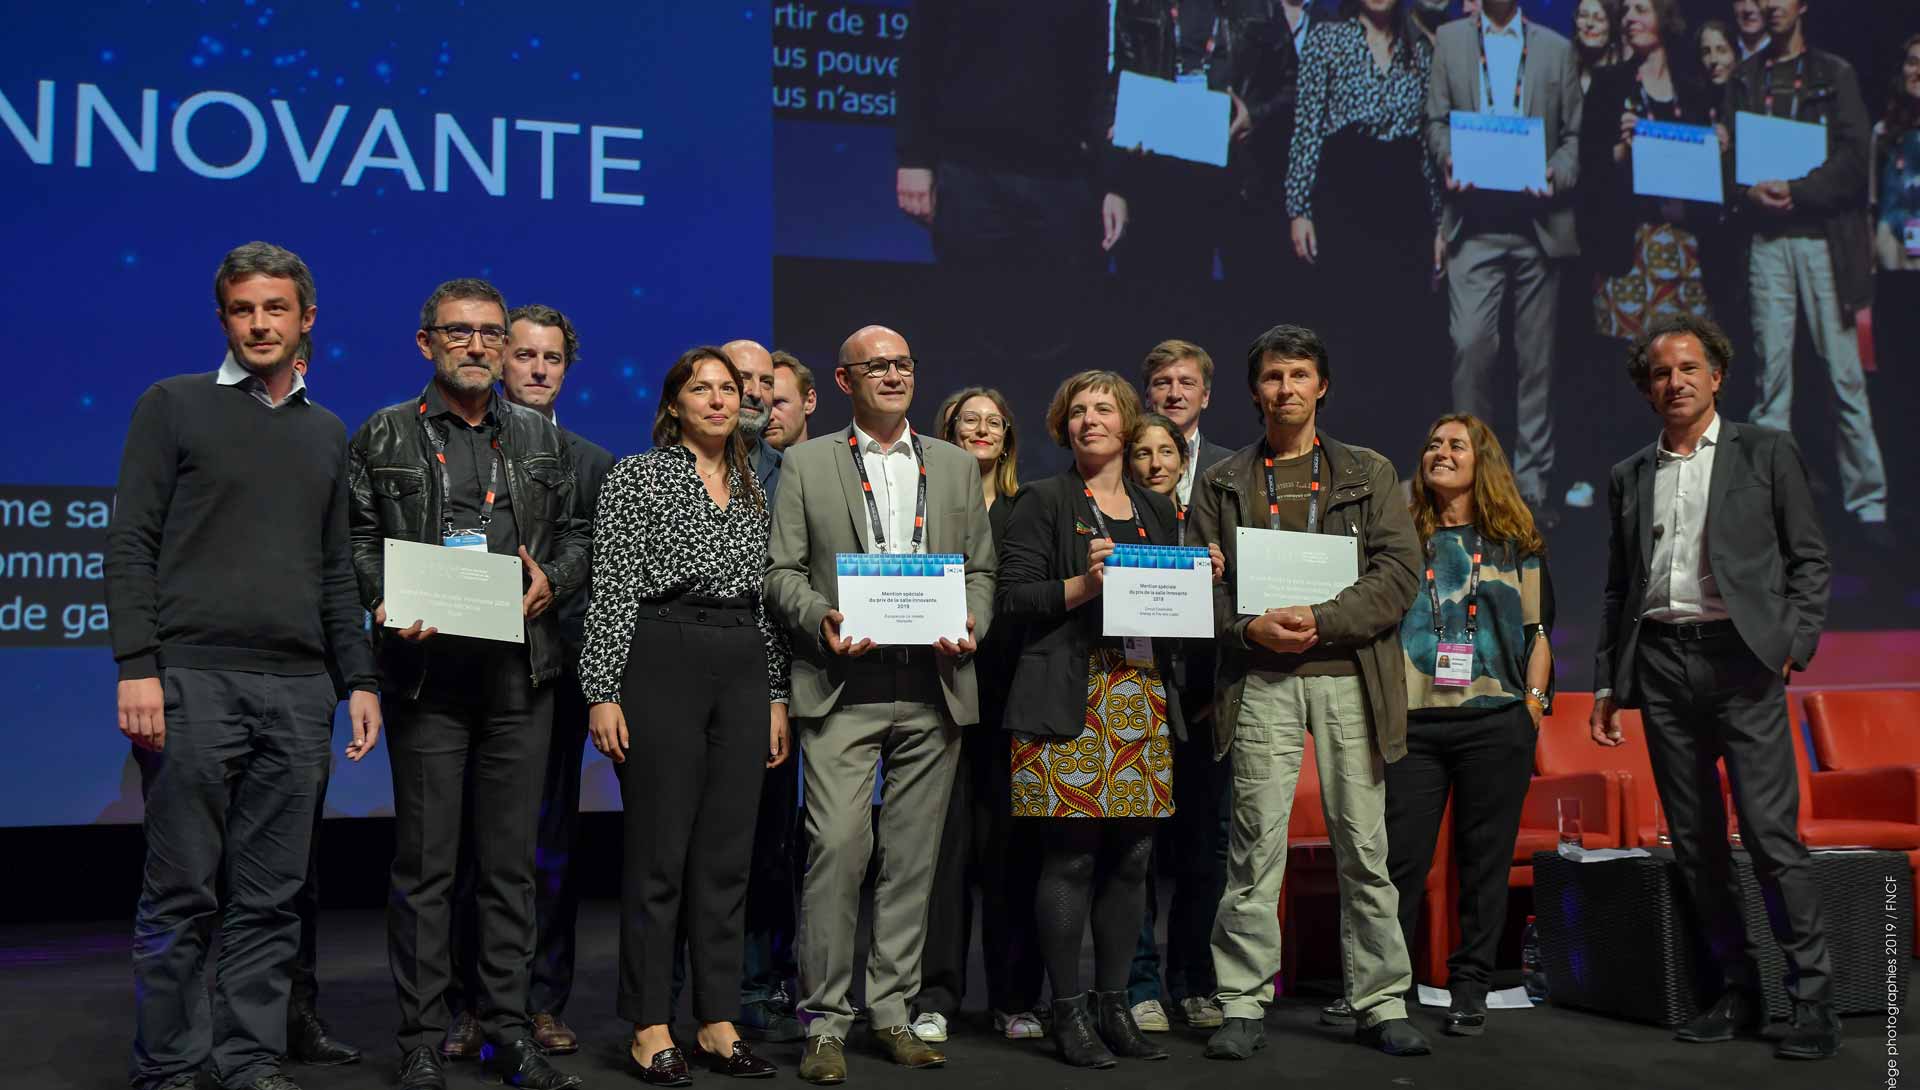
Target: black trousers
(230, 811)
(556, 895)
(979, 850)
(1485, 763)
(471, 748)
(305, 967)
(695, 699)
(773, 888)
(1707, 699)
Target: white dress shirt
(895, 475)
(233, 374)
(1765, 41)
(1680, 584)
(1504, 46)
(1184, 490)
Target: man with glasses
(875, 486)
(461, 467)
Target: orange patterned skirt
(1121, 765)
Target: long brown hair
(1903, 110)
(666, 426)
(1499, 514)
(1006, 475)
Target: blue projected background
(609, 159)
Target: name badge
(466, 539)
(1453, 665)
(1139, 650)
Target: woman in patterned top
(678, 642)
(1361, 190)
(1092, 720)
(1479, 677)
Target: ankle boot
(1074, 1034)
(1119, 1030)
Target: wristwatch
(1541, 698)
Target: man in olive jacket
(1333, 668)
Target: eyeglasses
(991, 423)
(877, 368)
(492, 336)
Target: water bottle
(1533, 976)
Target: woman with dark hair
(1157, 456)
(1644, 252)
(1897, 167)
(1479, 677)
(1719, 55)
(678, 638)
(976, 847)
(1361, 190)
(1092, 718)
(1596, 37)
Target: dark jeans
(979, 848)
(695, 698)
(471, 748)
(1485, 763)
(1707, 699)
(230, 807)
(556, 893)
(773, 888)
(1193, 849)
(306, 962)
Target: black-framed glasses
(879, 366)
(492, 336)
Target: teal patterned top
(1515, 609)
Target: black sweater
(228, 549)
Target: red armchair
(1868, 792)
(1311, 871)
(1614, 784)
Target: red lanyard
(1313, 491)
(1100, 520)
(873, 509)
(1473, 588)
(1520, 70)
(1799, 83)
(439, 444)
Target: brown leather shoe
(900, 1044)
(824, 1063)
(553, 1036)
(462, 1041)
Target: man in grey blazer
(861, 490)
(1717, 582)
(1500, 62)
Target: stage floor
(66, 1016)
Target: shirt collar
(233, 374)
(1511, 30)
(437, 405)
(869, 444)
(1709, 438)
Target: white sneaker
(930, 1027)
(1020, 1026)
(1202, 1013)
(1150, 1016)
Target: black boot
(1073, 1032)
(1120, 1031)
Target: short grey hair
(465, 287)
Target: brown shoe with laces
(553, 1036)
(904, 1047)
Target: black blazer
(1044, 547)
(993, 662)
(1763, 541)
(1608, 210)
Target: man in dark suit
(1177, 377)
(1716, 588)
(541, 349)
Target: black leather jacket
(395, 493)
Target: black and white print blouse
(1341, 87)
(658, 534)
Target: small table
(1616, 937)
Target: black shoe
(740, 1063)
(1074, 1035)
(421, 1070)
(1119, 1030)
(770, 1020)
(1466, 1017)
(274, 1081)
(667, 1068)
(1738, 1013)
(1813, 1035)
(309, 1042)
(1337, 1013)
(1394, 1036)
(523, 1064)
(1237, 1039)
(186, 1080)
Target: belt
(699, 609)
(1687, 633)
(898, 655)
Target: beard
(454, 375)
(754, 419)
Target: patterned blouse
(1342, 88)
(1515, 602)
(658, 534)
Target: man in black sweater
(230, 589)
(458, 465)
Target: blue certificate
(1183, 120)
(1494, 151)
(1775, 149)
(1158, 590)
(1678, 161)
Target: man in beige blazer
(859, 705)
(1501, 62)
